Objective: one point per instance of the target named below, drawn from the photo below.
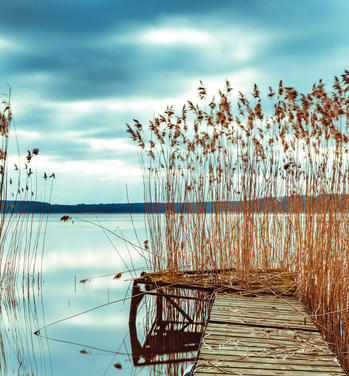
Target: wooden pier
(263, 330)
(263, 335)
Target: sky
(80, 69)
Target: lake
(79, 343)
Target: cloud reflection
(99, 320)
(63, 260)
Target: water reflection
(20, 298)
(86, 328)
(89, 334)
(173, 329)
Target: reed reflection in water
(21, 311)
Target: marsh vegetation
(250, 185)
(279, 161)
(21, 252)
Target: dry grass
(278, 180)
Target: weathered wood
(246, 330)
(263, 336)
(260, 322)
(264, 354)
(270, 366)
(209, 371)
(255, 360)
(272, 306)
(283, 316)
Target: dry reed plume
(265, 189)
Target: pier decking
(263, 335)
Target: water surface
(82, 309)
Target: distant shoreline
(289, 204)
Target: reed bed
(255, 182)
(21, 251)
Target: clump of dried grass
(264, 191)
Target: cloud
(80, 70)
(170, 36)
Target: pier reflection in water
(174, 323)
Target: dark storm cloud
(85, 18)
(102, 71)
(55, 53)
(73, 42)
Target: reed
(256, 182)
(21, 247)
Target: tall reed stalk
(265, 189)
(21, 245)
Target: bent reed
(249, 189)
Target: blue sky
(79, 70)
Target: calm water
(75, 252)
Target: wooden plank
(271, 315)
(258, 307)
(265, 360)
(270, 299)
(263, 336)
(209, 371)
(273, 350)
(310, 367)
(291, 307)
(266, 299)
(266, 317)
(260, 322)
(263, 353)
(255, 332)
(279, 342)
